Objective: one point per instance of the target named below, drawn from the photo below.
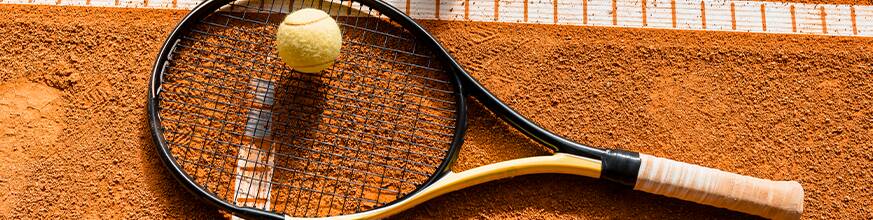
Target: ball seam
(306, 23)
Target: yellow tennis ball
(309, 40)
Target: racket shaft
(766, 198)
(450, 182)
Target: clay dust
(75, 143)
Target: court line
(710, 15)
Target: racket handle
(766, 198)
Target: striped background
(720, 15)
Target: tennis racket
(374, 134)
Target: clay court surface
(74, 141)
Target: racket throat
(620, 166)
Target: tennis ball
(308, 40)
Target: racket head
(218, 89)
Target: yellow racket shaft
(558, 163)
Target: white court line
(253, 180)
(720, 15)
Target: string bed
(370, 129)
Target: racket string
(305, 149)
(346, 140)
(412, 64)
(383, 176)
(345, 98)
(428, 88)
(359, 205)
(239, 114)
(369, 85)
(403, 91)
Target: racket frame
(616, 165)
(206, 8)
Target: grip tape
(766, 198)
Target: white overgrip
(766, 198)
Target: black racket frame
(617, 165)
